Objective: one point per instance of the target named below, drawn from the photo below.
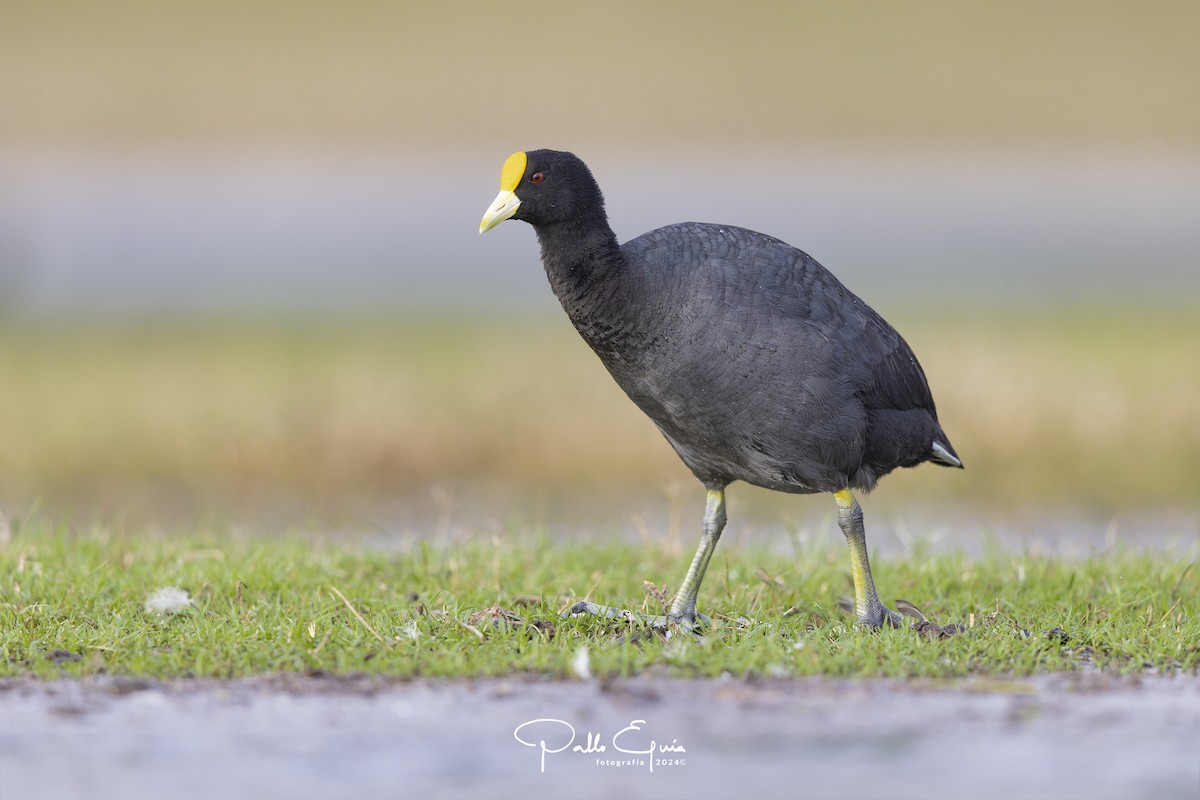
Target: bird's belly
(720, 449)
(755, 417)
(720, 462)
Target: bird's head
(544, 187)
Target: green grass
(72, 604)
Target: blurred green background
(240, 275)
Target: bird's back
(759, 365)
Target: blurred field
(1050, 409)
(1064, 74)
(1090, 408)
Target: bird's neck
(589, 276)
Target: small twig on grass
(358, 616)
(758, 593)
(324, 640)
(657, 593)
(1178, 583)
(1167, 615)
(241, 601)
(478, 633)
(770, 580)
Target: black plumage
(753, 360)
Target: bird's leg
(683, 608)
(869, 610)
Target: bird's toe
(584, 607)
(878, 617)
(922, 624)
(686, 622)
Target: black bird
(753, 360)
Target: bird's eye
(537, 177)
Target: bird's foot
(889, 617)
(921, 624)
(657, 621)
(876, 616)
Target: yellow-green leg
(683, 608)
(867, 607)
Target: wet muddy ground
(1064, 736)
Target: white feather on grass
(581, 664)
(168, 600)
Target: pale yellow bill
(507, 202)
(504, 206)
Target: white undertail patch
(944, 456)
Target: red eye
(537, 177)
